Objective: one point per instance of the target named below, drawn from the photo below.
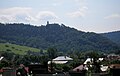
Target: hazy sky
(86, 15)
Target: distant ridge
(54, 35)
(113, 36)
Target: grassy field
(17, 49)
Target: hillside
(17, 49)
(113, 36)
(54, 35)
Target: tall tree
(52, 52)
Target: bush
(8, 50)
(6, 45)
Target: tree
(96, 63)
(52, 52)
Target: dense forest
(114, 36)
(56, 36)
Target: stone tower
(47, 22)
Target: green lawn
(17, 49)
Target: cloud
(82, 9)
(113, 16)
(76, 14)
(5, 18)
(80, 13)
(15, 10)
(25, 14)
(14, 14)
(46, 15)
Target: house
(60, 60)
(80, 68)
(117, 66)
(84, 66)
(1, 58)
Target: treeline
(54, 35)
(114, 36)
(14, 60)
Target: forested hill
(113, 36)
(54, 35)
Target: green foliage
(61, 37)
(63, 67)
(114, 62)
(8, 50)
(92, 54)
(6, 46)
(22, 59)
(114, 36)
(17, 49)
(4, 64)
(52, 53)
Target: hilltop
(61, 37)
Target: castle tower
(47, 22)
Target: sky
(86, 15)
